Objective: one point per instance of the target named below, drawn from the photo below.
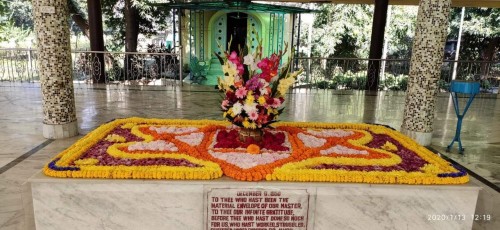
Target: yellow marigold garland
(115, 138)
(292, 171)
(389, 146)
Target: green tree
(480, 36)
(400, 31)
(78, 14)
(3, 10)
(126, 19)
(345, 30)
(342, 30)
(11, 33)
(16, 23)
(480, 33)
(3, 14)
(20, 13)
(123, 20)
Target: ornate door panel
(253, 28)
(219, 34)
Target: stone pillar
(426, 61)
(54, 68)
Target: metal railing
(19, 65)
(486, 72)
(351, 73)
(133, 68)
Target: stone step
(211, 80)
(215, 72)
(214, 61)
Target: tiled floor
(21, 119)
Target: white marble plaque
(257, 208)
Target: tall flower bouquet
(254, 87)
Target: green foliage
(323, 85)
(3, 16)
(3, 10)
(345, 31)
(357, 81)
(346, 80)
(19, 12)
(394, 83)
(483, 22)
(342, 30)
(400, 31)
(353, 80)
(480, 32)
(151, 19)
(486, 84)
(16, 23)
(13, 34)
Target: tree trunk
(96, 40)
(81, 23)
(131, 15)
(76, 15)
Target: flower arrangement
(186, 149)
(254, 87)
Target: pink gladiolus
(264, 64)
(275, 62)
(269, 67)
(266, 76)
(234, 57)
(241, 69)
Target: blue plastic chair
(464, 87)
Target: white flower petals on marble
(159, 145)
(343, 150)
(192, 139)
(172, 129)
(311, 141)
(330, 132)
